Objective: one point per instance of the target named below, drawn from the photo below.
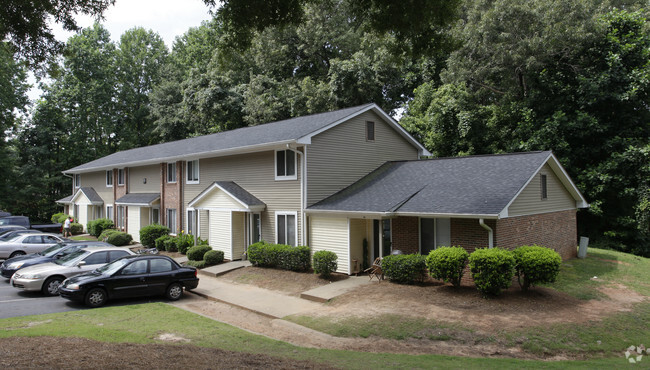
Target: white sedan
(28, 243)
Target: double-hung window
(286, 228)
(171, 172)
(109, 212)
(192, 221)
(370, 131)
(109, 178)
(77, 181)
(120, 217)
(285, 165)
(120, 176)
(192, 172)
(171, 220)
(543, 187)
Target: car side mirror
(81, 264)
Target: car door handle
(142, 279)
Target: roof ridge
(472, 156)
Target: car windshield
(72, 258)
(52, 251)
(113, 267)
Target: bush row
(180, 243)
(325, 262)
(96, 227)
(115, 237)
(150, 233)
(281, 256)
(201, 256)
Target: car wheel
(16, 254)
(51, 286)
(174, 291)
(96, 297)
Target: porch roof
(241, 196)
(138, 199)
(88, 192)
(479, 186)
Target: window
(159, 265)
(171, 172)
(120, 217)
(434, 233)
(35, 239)
(285, 165)
(286, 228)
(155, 215)
(370, 131)
(544, 189)
(96, 258)
(135, 268)
(192, 216)
(77, 180)
(193, 172)
(113, 255)
(256, 228)
(109, 212)
(76, 211)
(109, 178)
(120, 176)
(171, 220)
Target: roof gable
(227, 195)
(86, 195)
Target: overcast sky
(169, 18)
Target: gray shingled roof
(241, 194)
(474, 185)
(67, 199)
(138, 198)
(270, 133)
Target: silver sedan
(27, 243)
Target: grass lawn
(142, 323)
(84, 237)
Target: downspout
(302, 192)
(490, 233)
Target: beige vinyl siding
(133, 222)
(359, 230)
(97, 181)
(340, 156)
(83, 215)
(331, 234)
(145, 217)
(137, 176)
(254, 172)
(238, 234)
(218, 199)
(220, 232)
(204, 224)
(530, 199)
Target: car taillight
(196, 272)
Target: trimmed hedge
(213, 257)
(76, 229)
(196, 253)
(170, 245)
(59, 218)
(119, 238)
(492, 270)
(447, 264)
(279, 255)
(536, 265)
(197, 264)
(404, 268)
(96, 227)
(106, 233)
(150, 233)
(160, 242)
(325, 262)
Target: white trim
(295, 165)
(198, 172)
(225, 209)
(349, 249)
(207, 191)
(295, 218)
(378, 215)
(123, 176)
(112, 179)
(167, 173)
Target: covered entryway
(86, 205)
(234, 219)
(142, 210)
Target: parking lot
(14, 302)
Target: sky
(169, 18)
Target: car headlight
(15, 265)
(72, 286)
(30, 276)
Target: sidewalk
(266, 302)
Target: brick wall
(555, 230)
(406, 234)
(468, 233)
(170, 195)
(120, 191)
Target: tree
(24, 25)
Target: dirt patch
(58, 353)
(288, 282)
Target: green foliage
(325, 263)
(184, 242)
(197, 252)
(170, 244)
(295, 258)
(160, 242)
(259, 254)
(76, 228)
(106, 233)
(119, 238)
(198, 264)
(536, 265)
(447, 264)
(492, 270)
(404, 268)
(213, 257)
(150, 233)
(96, 227)
(59, 218)
(280, 256)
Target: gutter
(490, 233)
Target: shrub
(325, 262)
(106, 233)
(197, 264)
(447, 264)
(404, 268)
(294, 258)
(258, 254)
(492, 269)
(536, 265)
(184, 242)
(160, 242)
(196, 253)
(76, 229)
(96, 227)
(213, 257)
(200, 241)
(170, 245)
(119, 238)
(150, 233)
(59, 218)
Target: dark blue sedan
(10, 266)
(130, 276)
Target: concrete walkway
(266, 302)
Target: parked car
(132, 276)
(9, 228)
(47, 277)
(10, 266)
(26, 223)
(28, 243)
(10, 234)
